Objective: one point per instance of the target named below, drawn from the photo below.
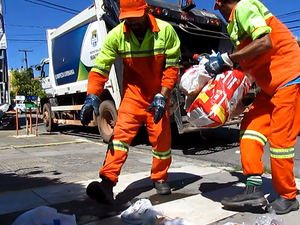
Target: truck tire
(48, 118)
(107, 119)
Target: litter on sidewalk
(143, 213)
(44, 215)
(267, 219)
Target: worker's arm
(250, 19)
(255, 48)
(100, 71)
(97, 78)
(248, 22)
(169, 74)
(172, 54)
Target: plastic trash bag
(140, 213)
(267, 219)
(194, 78)
(218, 99)
(44, 215)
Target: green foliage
(24, 84)
(298, 40)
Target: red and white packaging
(218, 99)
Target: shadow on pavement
(19, 194)
(85, 209)
(14, 182)
(229, 190)
(177, 182)
(206, 142)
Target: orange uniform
(147, 67)
(274, 115)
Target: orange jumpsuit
(147, 67)
(274, 115)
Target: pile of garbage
(212, 101)
(140, 213)
(143, 213)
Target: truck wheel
(107, 119)
(47, 118)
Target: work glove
(90, 104)
(217, 63)
(159, 104)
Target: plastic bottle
(269, 219)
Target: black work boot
(102, 192)
(162, 188)
(251, 196)
(282, 205)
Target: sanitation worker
(150, 49)
(268, 52)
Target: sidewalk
(197, 192)
(22, 140)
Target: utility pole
(25, 54)
(4, 91)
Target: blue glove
(90, 104)
(159, 104)
(217, 63)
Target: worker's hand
(159, 105)
(90, 104)
(217, 63)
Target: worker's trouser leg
(272, 119)
(285, 124)
(160, 139)
(130, 116)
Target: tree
(24, 84)
(298, 40)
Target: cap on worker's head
(216, 6)
(132, 8)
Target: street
(54, 168)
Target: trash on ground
(267, 219)
(44, 215)
(143, 213)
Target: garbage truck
(73, 47)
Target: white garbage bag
(44, 215)
(140, 213)
(194, 78)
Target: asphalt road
(39, 164)
(220, 145)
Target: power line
(292, 21)
(25, 40)
(294, 27)
(62, 10)
(21, 35)
(59, 6)
(32, 26)
(289, 13)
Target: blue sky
(26, 24)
